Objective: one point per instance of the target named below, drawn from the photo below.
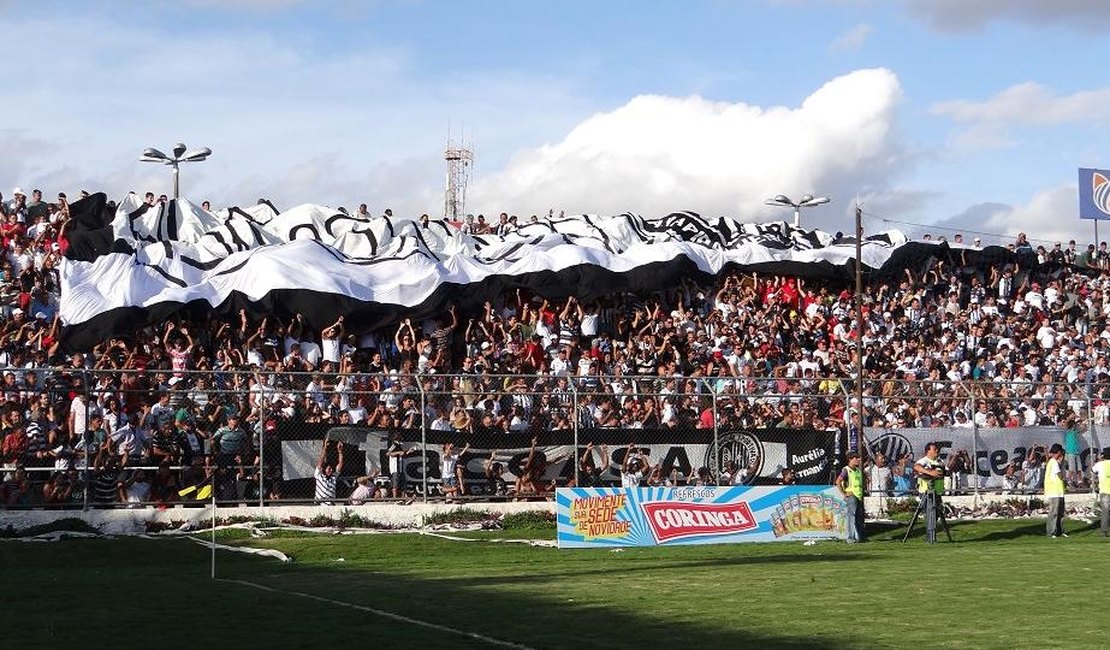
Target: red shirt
(15, 445)
(533, 352)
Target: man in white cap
(18, 205)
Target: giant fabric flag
(143, 263)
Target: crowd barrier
(541, 433)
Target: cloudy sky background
(963, 114)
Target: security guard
(930, 485)
(1054, 488)
(850, 484)
(1101, 471)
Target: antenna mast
(459, 160)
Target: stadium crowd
(958, 339)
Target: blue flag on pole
(1094, 194)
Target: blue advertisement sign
(658, 516)
(1094, 194)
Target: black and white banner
(992, 449)
(767, 452)
(143, 263)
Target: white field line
(379, 612)
(545, 543)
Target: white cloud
(981, 137)
(1050, 215)
(1025, 104)
(853, 39)
(285, 119)
(1031, 103)
(965, 15)
(658, 154)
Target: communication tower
(459, 160)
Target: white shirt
(77, 408)
(630, 479)
(559, 366)
(589, 324)
(929, 463)
(329, 350)
(447, 467)
(358, 414)
(310, 352)
(879, 478)
(315, 393)
(1046, 336)
(125, 440)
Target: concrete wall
(129, 521)
(874, 505)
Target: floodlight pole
(180, 155)
(807, 201)
(859, 328)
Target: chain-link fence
(993, 440)
(91, 438)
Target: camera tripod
(934, 512)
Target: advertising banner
(993, 450)
(763, 453)
(1094, 194)
(608, 517)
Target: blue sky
(970, 113)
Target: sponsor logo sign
(670, 521)
(1094, 194)
(654, 516)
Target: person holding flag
(201, 490)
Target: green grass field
(1001, 584)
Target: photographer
(1033, 469)
(930, 470)
(930, 486)
(959, 467)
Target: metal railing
(392, 431)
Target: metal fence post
(974, 448)
(716, 436)
(85, 438)
(423, 437)
(1094, 448)
(262, 454)
(574, 423)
